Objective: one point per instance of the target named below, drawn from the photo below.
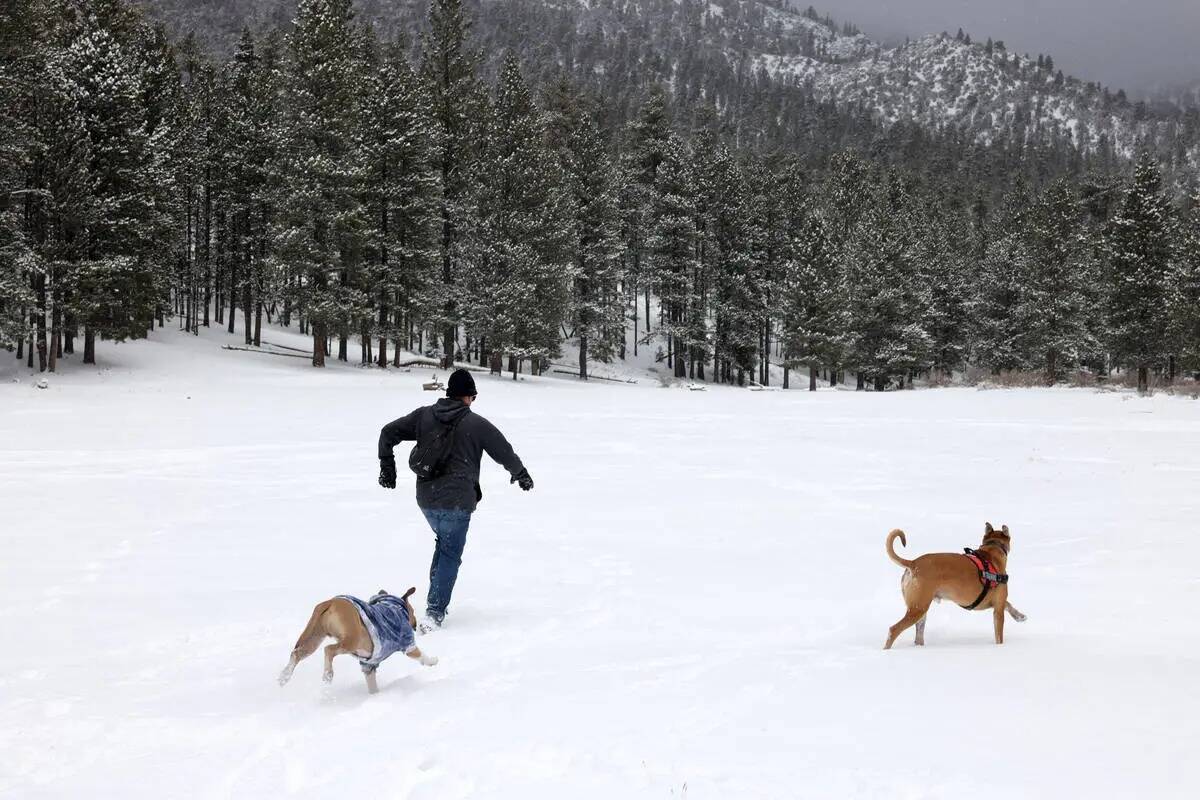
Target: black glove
(523, 480)
(387, 473)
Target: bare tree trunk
(1143, 379)
(583, 346)
(812, 379)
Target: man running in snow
(448, 500)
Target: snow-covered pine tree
(318, 227)
(22, 58)
(403, 196)
(812, 308)
(944, 250)
(671, 246)
(598, 298)
(887, 304)
(520, 245)
(1186, 294)
(449, 69)
(115, 293)
(1057, 289)
(1139, 264)
(641, 153)
(250, 155)
(996, 301)
(731, 259)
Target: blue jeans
(450, 528)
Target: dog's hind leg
(310, 639)
(906, 622)
(335, 649)
(1012, 611)
(920, 640)
(998, 622)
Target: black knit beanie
(461, 384)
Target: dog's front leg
(998, 622)
(372, 686)
(426, 660)
(1012, 610)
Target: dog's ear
(1005, 529)
(411, 590)
(987, 528)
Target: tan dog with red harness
(975, 580)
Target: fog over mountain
(1138, 45)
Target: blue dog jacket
(386, 619)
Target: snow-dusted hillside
(690, 603)
(711, 50)
(943, 82)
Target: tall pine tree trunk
(246, 312)
(233, 292)
(583, 349)
(258, 314)
(1143, 379)
(318, 334)
(383, 353)
(89, 346)
(40, 322)
(812, 379)
(207, 242)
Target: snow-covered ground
(690, 603)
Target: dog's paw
(284, 677)
(428, 660)
(327, 677)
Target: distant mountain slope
(720, 50)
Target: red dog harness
(988, 575)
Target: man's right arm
(396, 431)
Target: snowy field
(690, 604)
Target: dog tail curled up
(893, 536)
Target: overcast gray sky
(1130, 44)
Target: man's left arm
(500, 451)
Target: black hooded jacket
(458, 488)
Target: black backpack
(432, 451)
